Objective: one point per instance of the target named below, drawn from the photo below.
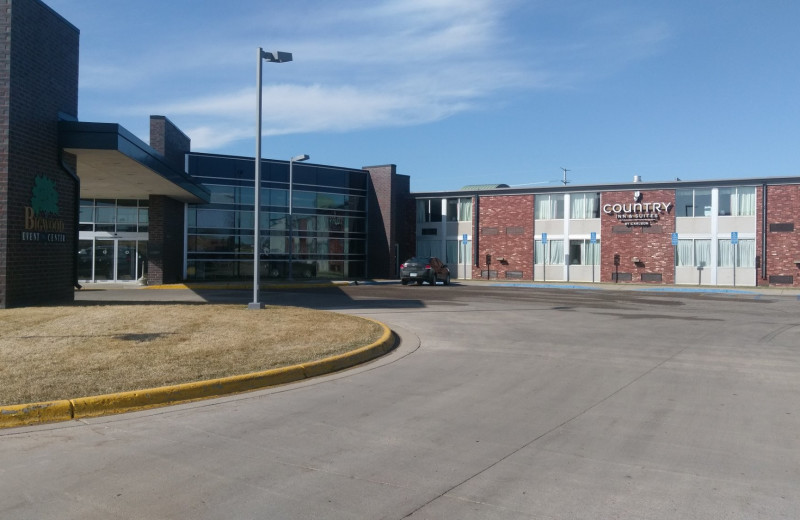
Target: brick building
(734, 232)
(90, 202)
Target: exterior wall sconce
(636, 260)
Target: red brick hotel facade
(741, 232)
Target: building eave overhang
(628, 186)
(112, 163)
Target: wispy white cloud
(360, 65)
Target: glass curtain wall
(328, 228)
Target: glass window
(549, 207)
(465, 252)
(692, 253)
(330, 200)
(584, 205)
(725, 252)
(465, 210)
(702, 203)
(737, 202)
(742, 254)
(746, 256)
(583, 252)
(304, 199)
(725, 202)
(452, 210)
(216, 219)
(276, 197)
(702, 252)
(221, 194)
(684, 203)
(551, 253)
(105, 214)
(451, 252)
(429, 210)
(693, 203)
(86, 213)
(127, 218)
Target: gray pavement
(501, 402)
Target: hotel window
(465, 210)
(583, 252)
(452, 210)
(693, 203)
(584, 205)
(551, 253)
(693, 253)
(737, 202)
(429, 210)
(550, 207)
(745, 254)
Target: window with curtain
(725, 252)
(584, 205)
(746, 256)
(583, 252)
(692, 253)
(451, 256)
(738, 201)
(465, 253)
(465, 210)
(549, 207)
(551, 253)
(744, 253)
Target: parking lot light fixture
(274, 57)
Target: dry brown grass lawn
(49, 353)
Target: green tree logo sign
(45, 197)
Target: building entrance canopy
(113, 163)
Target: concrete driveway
(500, 403)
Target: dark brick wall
(168, 140)
(405, 218)
(387, 200)
(166, 226)
(783, 239)
(38, 80)
(652, 245)
(506, 231)
(165, 244)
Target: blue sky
(458, 92)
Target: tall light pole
(296, 158)
(275, 57)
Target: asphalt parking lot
(500, 402)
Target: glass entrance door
(104, 260)
(111, 259)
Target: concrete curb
(84, 407)
(242, 286)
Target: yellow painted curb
(35, 413)
(94, 406)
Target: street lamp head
(276, 56)
(298, 158)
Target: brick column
(165, 244)
(38, 82)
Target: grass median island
(50, 353)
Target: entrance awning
(115, 164)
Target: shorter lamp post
(296, 158)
